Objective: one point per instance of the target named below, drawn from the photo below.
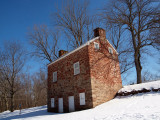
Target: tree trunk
(12, 105)
(138, 68)
(6, 103)
(137, 56)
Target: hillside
(153, 86)
(141, 106)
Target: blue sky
(17, 16)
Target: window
(96, 46)
(54, 76)
(52, 102)
(82, 98)
(110, 50)
(76, 68)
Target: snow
(143, 106)
(148, 86)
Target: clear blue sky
(17, 16)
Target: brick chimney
(99, 32)
(62, 52)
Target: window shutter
(96, 46)
(54, 76)
(76, 68)
(82, 98)
(52, 102)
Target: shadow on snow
(27, 113)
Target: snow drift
(139, 88)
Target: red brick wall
(69, 84)
(99, 77)
(105, 72)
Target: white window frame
(76, 68)
(55, 76)
(110, 50)
(52, 103)
(96, 46)
(82, 98)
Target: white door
(71, 104)
(52, 102)
(60, 105)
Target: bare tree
(148, 76)
(155, 34)
(11, 65)
(45, 43)
(74, 20)
(138, 17)
(116, 35)
(26, 96)
(17, 87)
(40, 88)
(4, 95)
(3, 86)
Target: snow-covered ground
(144, 106)
(147, 86)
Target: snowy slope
(138, 107)
(148, 86)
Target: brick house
(85, 77)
